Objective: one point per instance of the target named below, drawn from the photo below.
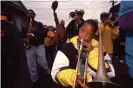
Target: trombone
(101, 80)
(78, 64)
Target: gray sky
(42, 8)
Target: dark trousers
(50, 52)
(116, 48)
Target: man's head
(79, 14)
(31, 14)
(62, 22)
(88, 30)
(104, 16)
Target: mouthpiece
(81, 46)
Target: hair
(76, 12)
(31, 10)
(104, 14)
(93, 23)
(72, 14)
(79, 12)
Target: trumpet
(101, 80)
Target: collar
(3, 17)
(74, 41)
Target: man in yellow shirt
(63, 71)
(109, 32)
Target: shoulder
(67, 47)
(72, 40)
(94, 42)
(71, 22)
(6, 25)
(40, 23)
(69, 50)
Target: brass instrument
(30, 35)
(78, 64)
(101, 80)
(30, 30)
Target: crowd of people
(55, 50)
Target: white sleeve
(108, 59)
(60, 61)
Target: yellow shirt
(108, 34)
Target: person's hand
(80, 80)
(109, 23)
(87, 46)
(30, 35)
(24, 39)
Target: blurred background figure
(14, 69)
(73, 27)
(109, 32)
(50, 45)
(60, 34)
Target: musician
(73, 27)
(109, 32)
(63, 71)
(60, 34)
(60, 30)
(35, 54)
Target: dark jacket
(71, 29)
(9, 47)
(39, 33)
(14, 68)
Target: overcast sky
(42, 8)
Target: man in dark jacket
(35, 33)
(74, 26)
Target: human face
(78, 18)
(86, 32)
(30, 14)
